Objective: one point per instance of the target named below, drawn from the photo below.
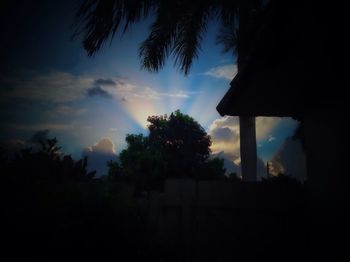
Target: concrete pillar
(248, 148)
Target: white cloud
(150, 93)
(105, 145)
(99, 154)
(226, 71)
(271, 138)
(225, 134)
(264, 125)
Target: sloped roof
(289, 67)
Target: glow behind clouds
(50, 83)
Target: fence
(221, 220)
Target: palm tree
(177, 31)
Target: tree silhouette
(54, 209)
(182, 141)
(177, 31)
(47, 164)
(176, 147)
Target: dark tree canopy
(47, 163)
(182, 141)
(176, 147)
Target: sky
(49, 85)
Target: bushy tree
(176, 147)
(183, 143)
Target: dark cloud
(120, 82)
(105, 82)
(39, 137)
(98, 91)
(290, 160)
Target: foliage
(281, 179)
(211, 169)
(177, 30)
(47, 163)
(234, 177)
(114, 170)
(54, 209)
(176, 147)
(183, 143)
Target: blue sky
(47, 81)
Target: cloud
(229, 165)
(290, 160)
(63, 109)
(232, 167)
(225, 72)
(107, 82)
(39, 136)
(150, 93)
(56, 87)
(99, 154)
(41, 126)
(271, 138)
(98, 91)
(225, 134)
(13, 146)
(62, 87)
(264, 125)
(105, 145)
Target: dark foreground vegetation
(52, 208)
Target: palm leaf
(99, 20)
(177, 30)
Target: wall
(222, 220)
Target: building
(293, 69)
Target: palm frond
(157, 46)
(99, 20)
(228, 38)
(177, 30)
(188, 41)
